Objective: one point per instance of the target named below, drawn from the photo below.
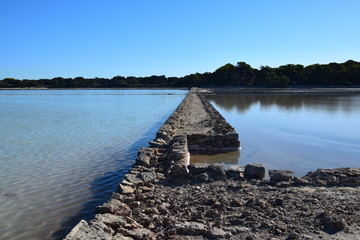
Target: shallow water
(62, 152)
(293, 131)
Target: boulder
(333, 224)
(216, 233)
(113, 206)
(179, 169)
(84, 231)
(148, 176)
(123, 189)
(133, 178)
(218, 171)
(334, 177)
(236, 172)
(281, 175)
(110, 220)
(197, 168)
(255, 170)
(143, 160)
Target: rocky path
(163, 197)
(194, 118)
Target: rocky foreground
(235, 203)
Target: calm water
(62, 152)
(298, 132)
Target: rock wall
(223, 139)
(202, 130)
(207, 133)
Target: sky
(107, 38)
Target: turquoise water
(299, 132)
(62, 152)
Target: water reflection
(288, 102)
(225, 158)
(301, 132)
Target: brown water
(301, 132)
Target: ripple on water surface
(62, 152)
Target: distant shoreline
(131, 88)
(293, 90)
(225, 89)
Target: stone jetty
(164, 196)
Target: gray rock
(218, 171)
(301, 181)
(163, 208)
(197, 168)
(180, 139)
(148, 176)
(123, 189)
(110, 219)
(84, 231)
(163, 135)
(114, 206)
(127, 183)
(140, 233)
(350, 181)
(133, 178)
(143, 160)
(158, 143)
(337, 176)
(281, 175)
(242, 229)
(236, 171)
(334, 224)
(179, 169)
(321, 182)
(255, 170)
(216, 233)
(190, 228)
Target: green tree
(273, 80)
(295, 73)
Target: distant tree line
(241, 74)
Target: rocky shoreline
(163, 196)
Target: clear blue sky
(93, 38)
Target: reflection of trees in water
(226, 158)
(289, 102)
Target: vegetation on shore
(241, 74)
